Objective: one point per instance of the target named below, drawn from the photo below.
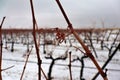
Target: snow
(60, 70)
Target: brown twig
(44, 74)
(25, 63)
(1, 48)
(79, 50)
(36, 44)
(88, 52)
(35, 41)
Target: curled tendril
(60, 36)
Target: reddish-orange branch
(35, 41)
(88, 52)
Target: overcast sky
(80, 12)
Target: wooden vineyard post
(12, 44)
(44, 49)
(70, 66)
(1, 48)
(88, 53)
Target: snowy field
(60, 70)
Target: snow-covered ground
(60, 70)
